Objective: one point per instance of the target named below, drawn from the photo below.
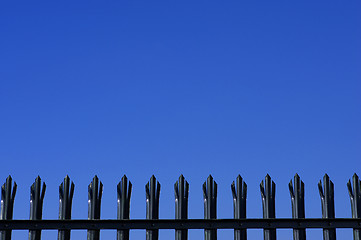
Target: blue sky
(180, 87)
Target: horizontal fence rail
(257, 223)
(181, 224)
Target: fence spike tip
(67, 178)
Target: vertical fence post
(7, 205)
(268, 193)
(355, 197)
(297, 192)
(152, 190)
(66, 192)
(95, 191)
(210, 206)
(328, 205)
(181, 191)
(239, 192)
(124, 191)
(36, 206)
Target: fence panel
(181, 224)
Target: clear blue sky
(180, 87)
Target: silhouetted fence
(181, 223)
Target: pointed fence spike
(147, 193)
(239, 192)
(268, 193)
(95, 190)
(157, 195)
(298, 205)
(7, 205)
(36, 206)
(176, 193)
(181, 205)
(204, 188)
(233, 189)
(152, 189)
(290, 187)
(320, 190)
(65, 203)
(354, 190)
(210, 206)
(262, 190)
(349, 188)
(328, 205)
(124, 190)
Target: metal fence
(181, 224)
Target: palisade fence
(181, 224)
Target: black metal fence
(181, 224)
